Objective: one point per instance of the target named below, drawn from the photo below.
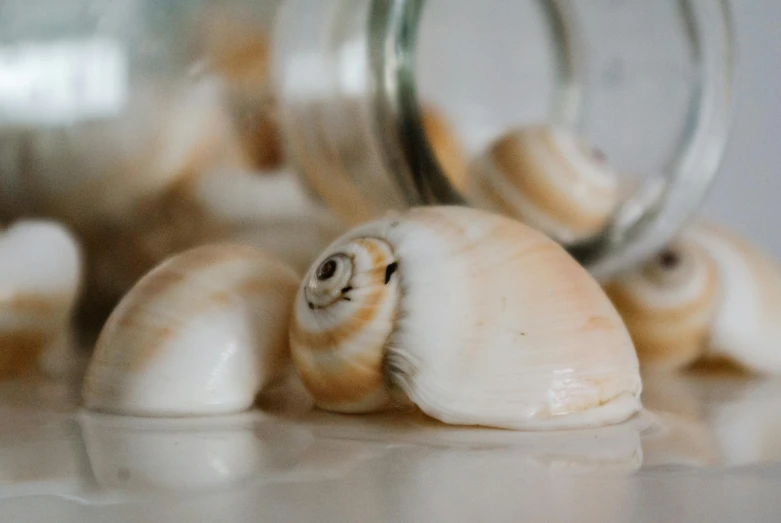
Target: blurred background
(747, 193)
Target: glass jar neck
(345, 74)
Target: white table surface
(705, 450)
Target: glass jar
(105, 102)
(647, 83)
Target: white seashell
(474, 318)
(200, 334)
(711, 296)
(668, 304)
(40, 279)
(548, 178)
(747, 420)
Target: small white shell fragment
(548, 178)
(200, 334)
(711, 296)
(475, 318)
(40, 279)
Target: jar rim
(646, 221)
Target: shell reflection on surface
(475, 318)
(710, 297)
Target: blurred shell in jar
(475, 318)
(548, 178)
(40, 279)
(200, 334)
(445, 145)
(710, 296)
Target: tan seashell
(668, 305)
(40, 278)
(200, 334)
(548, 178)
(473, 317)
(710, 297)
(445, 146)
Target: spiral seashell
(200, 334)
(710, 296)
(40, 279)
(474, 318)
(668, 304)
(549, 179)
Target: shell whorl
(473, 317)
(345, 312)
(200, 334)
(548, 178)
(669, 305)
(723, 309)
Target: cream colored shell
(40, 279)
(200, 334)
(475, 318)
(720, 300)
(548, 178)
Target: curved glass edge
(665, 204)
(645, 222)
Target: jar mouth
(393, 35)
(647, 219)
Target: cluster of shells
(185, 218)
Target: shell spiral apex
(200, 334)
(475, 318)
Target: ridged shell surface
(548, 178)
(200, 334)
(475, 318)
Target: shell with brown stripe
(711, 296)
(473, 317)
(548, 178)
(40, 279)
(200, 334)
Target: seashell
(548, 178)
(475, 318)
(272, 212)
(200, 334)
(40, 278)
(710, 297)
(445, 146)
